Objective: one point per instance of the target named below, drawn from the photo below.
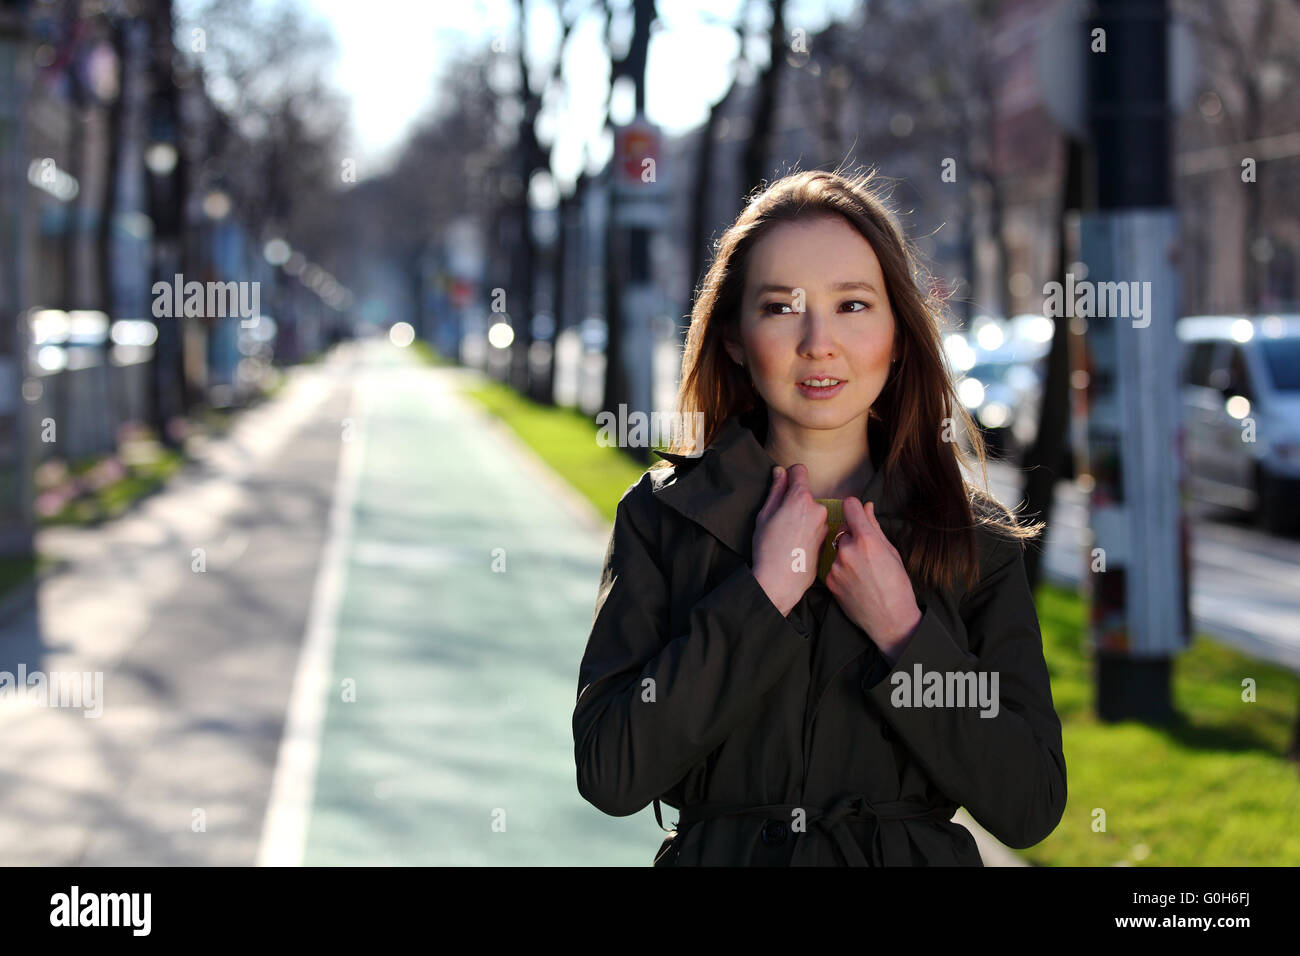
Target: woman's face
(815, 307)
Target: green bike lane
(466, 586)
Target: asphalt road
(1245, 587)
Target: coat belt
(889, 845)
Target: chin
(831, 415)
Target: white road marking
(288, 811)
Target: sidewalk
(1245, 587)
(176, 769)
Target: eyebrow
(838, 287)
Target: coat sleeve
(651, 705)
(1008, 770)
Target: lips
(821, 387)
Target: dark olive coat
(775, 736)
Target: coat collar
(723, 489)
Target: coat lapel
(723, 490)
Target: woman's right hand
(790, 520)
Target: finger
(798, 480)
(855, 518)
(875, 523)
(775, 493)
(824, 525)
(871, 514)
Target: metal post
(1129, 301)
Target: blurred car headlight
(1238, 406)
(971, 392)
(993, 414)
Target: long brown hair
(918, 407)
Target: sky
(392, 51)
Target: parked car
(1002, 381)
(1241, 414)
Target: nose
(817, 339)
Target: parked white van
(1241, 414)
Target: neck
(838, 460)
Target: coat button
(774, 832)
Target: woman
(810, 677)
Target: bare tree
(1249, 60)
(702, 190)
(449, 168)
(620, 251)
(759, 146)
(927, 65)
(534, 160)
(265, 69)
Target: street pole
(1129, 302)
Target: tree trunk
(1253, 286)
(109, 206)
(563, 293)
(758, 148)
(627, 247)
(615, 380)
(969, 245)
(73, 261)
(1045, 459)
(697, 253)
(521, 306)
(167, 390)
(1005, 305)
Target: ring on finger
(836, 542)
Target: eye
(864, 305)
(768, 309)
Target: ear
(731, 343)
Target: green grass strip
(566, 440)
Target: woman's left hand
(870, 582)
